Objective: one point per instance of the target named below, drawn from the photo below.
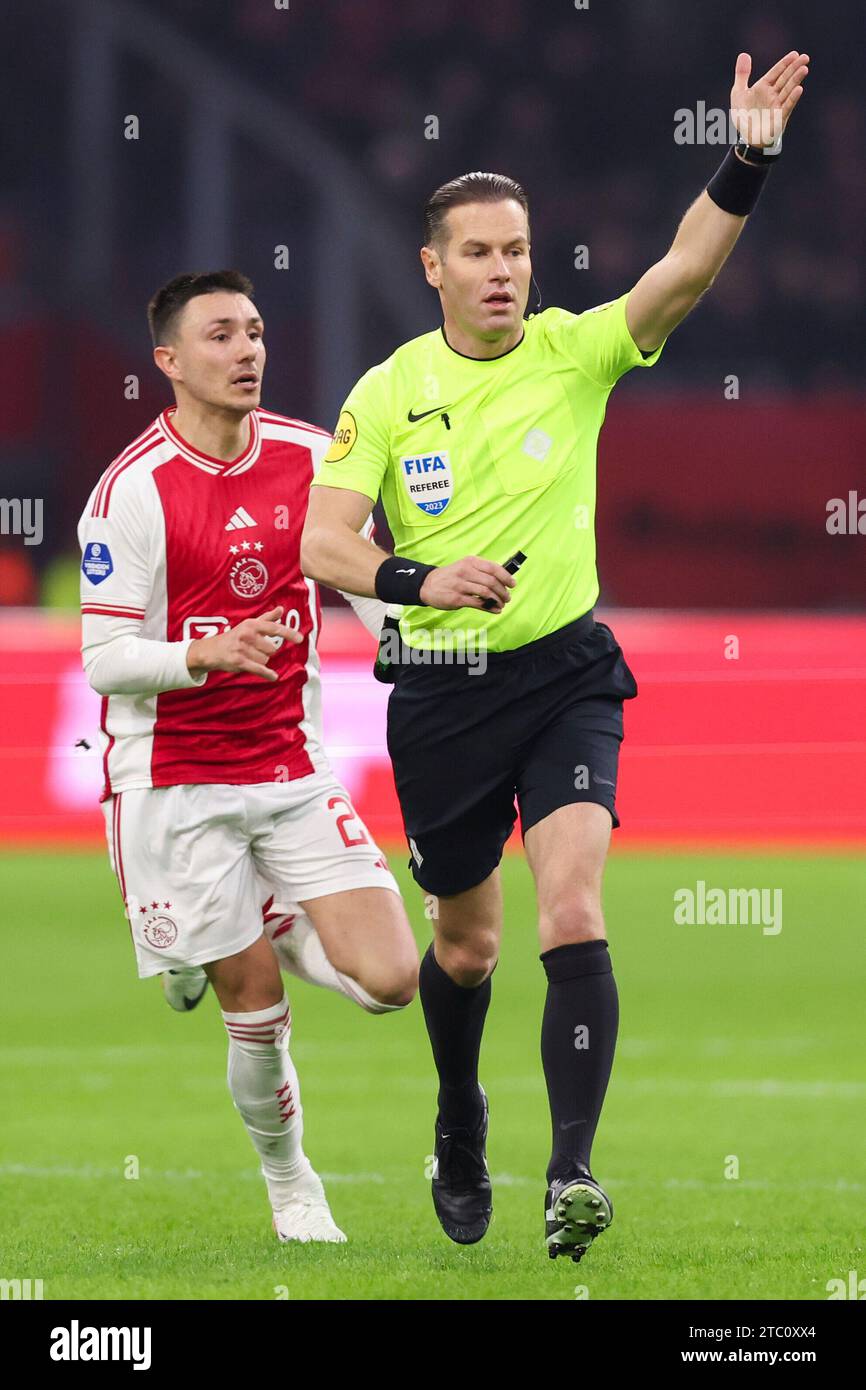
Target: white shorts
(196, 864)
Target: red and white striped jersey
(177, 545)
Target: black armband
(399, 581)
(738, 183)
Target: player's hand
(760, 113)
(467, 584)
(247, 647)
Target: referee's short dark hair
(165, 306)
(468, 188)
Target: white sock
(265, 1089)
(299, 950)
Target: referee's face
(483, 271)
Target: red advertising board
(748, 729)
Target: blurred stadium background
(742, 616)
(261, 127)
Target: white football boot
(184, 989)
(305, 1216)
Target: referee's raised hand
(468, 583)
(761, 112)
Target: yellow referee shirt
(488, 457)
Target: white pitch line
(90, 1172)
(799, 1090)
(766, 1088)
(178, 1051)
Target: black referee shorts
(542, 723)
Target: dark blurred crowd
(578, 103)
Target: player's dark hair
(468, 188)
(166, 305)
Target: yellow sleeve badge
(344, 438)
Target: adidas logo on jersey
(240, 519)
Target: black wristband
(759, 154)
(399, 581)
(736, 186)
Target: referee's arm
(663, 297)
(332, 550)
(333, 553)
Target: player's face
(485, 271)
(219, 351)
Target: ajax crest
(160, 932)
(428, 480)
(248, 577)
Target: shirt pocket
(434, 486)
(530, 435)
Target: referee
(481, 438)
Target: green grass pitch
(732, 1043)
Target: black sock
(578, 1037)
(455, 1021)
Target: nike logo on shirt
(424, 413)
